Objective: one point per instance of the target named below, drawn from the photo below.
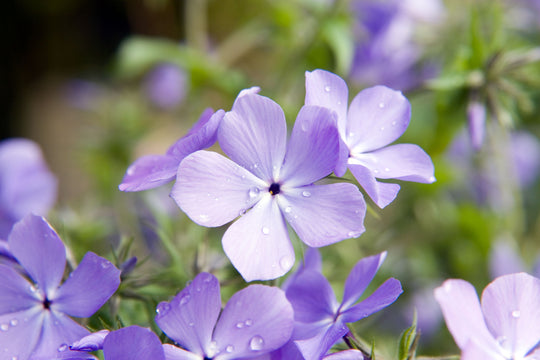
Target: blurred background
(99, 83)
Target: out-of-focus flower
(26, 184)
(476, 118)
(166, 85)
(504, 259)
(320, 321)
(268, 182)
(505, 325)
(376, 117)
(33, 312)
(255, 321)
(387, 52)
(151, 171)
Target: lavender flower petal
(46, 262)
(149, 171)
(317, 346)
(351, 354)
(381, 193)
(92, 342)
(190, 317)
(256, 320)
(21, 330)
(476, 117)
(15, 291)
(324, 214)
(212, 190)
(133, 343)
(258, 244)
(385, 295)
(511, 312)
(313, 148)
(254, 135)
(359, 278)
(88, 288)
(377, 116)
(175, 353)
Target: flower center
(274, 189)
(46, 304)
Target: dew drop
(265, 230)
(376, 171)
(394, 123)
(327, 88)
(353, 234)
(285, 262)
(185, 299)
(382, 128)
(516, 314)
(105, 264)
(4, 327)
(163, 308)
(288, 209)
(14, 322)
(239, 325)
(381, 105)
(256, 343)
(62, 347)
(386, 169)
(351, 134)
(191, 324)
(14, 358)
(229, 348)
(249, 322)
(33, 288)
(203, 218)
(306, 194)
(254, 192)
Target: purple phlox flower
(166, 85)
(33, 312)
(151, 171)
(92, 342)
(267, 183)
(255, 321)
(320, 321)
(504, 325)
(376, 117)
(504, 259)
(476, 118)
(84, 95)
(26, 184)
(386, 49)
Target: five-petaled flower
(504, 325)
(33, 307)
(268, 182)
(376, 117)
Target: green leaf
(408, 342)
(337, 33)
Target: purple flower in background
(386, 51)
(505, 325)
(376, 117)
(151, 171)
(504, 259)
(166, 85)
(320, 321)
(255, 321)
(267, 183)
(33, 311)
(476, 118)
(26, 184)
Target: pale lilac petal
(252, 90)
(462, 313)
(254, 135)
(258, 243)
(317, 346)
(212, 190)
(22, 334)
(359, 278)
(15, 291)
(312, 298)
(504, 259)
(201, 136)
(381, 193)
(133, 343)
(351, 354)
(190, 317)
(312, 152)
(312, 261)
(476, 351)
(92, 342)
(402, 161)
(385, 295)
(510, 306)
(88, 287)
(324, 214)
(175, 353)
(58, 332)
(377, 117)
(46, 262)
(476, 118)
(149, 171)
(326, 89)
(256, 320)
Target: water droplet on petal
(386, 169)
(353, 234)
(105, 264)
(203, 218)
(62, 347)
(288, 209)
(306, 194)
(185, 299)
(254, 192)
(382, 128)
(14, 322)
(327, 88)
(256, 343)
(265, 230)
(285, 262)
(249, 322)
(4, 327)
(229, 348)
(239, 325)
(381, 105)
(516, 314)
(375, 171)
(163, 308)
(191, 324)
(14, 358)
(33, 288)
(394, 123)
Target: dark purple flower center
(274, 189)
(46, 304)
